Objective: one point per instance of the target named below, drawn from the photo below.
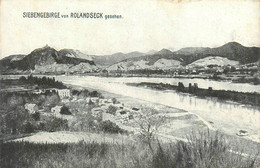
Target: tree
(114, 100)
(148, 128)
(112, 110)
(190, 88)
(256, 81)
(210, 90)
(180, 87)
(56, 124)
(95, 94)
(22, 79)
(15, 118)
(28, 128)
(52, 99)
(65, 110)
(110, 127)
(36, 116)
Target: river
(225, 116)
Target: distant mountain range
(47, 59)
(107, 60)
(103, 60)
(191, 50)
(229, 53)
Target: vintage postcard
(129, 84)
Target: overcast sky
(145, 25)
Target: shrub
(95, 94)
(56, 124)
(28, 127)
(202, 149)
(114, 100)
(110, 127)
(112, 109)
(36, 116)
(65, 110)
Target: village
(102, 109)
(46, 108)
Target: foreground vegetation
(202, 150)
(240, 97)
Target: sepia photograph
(130, 84)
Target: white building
(32, 108)
(93, 99)
(97, 112)
(63, 93)
(56, 110)
(108, 117)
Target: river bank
(239, 97)
(202, 83)
(186, 122)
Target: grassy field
(205, 149)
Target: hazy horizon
(58, 49)
(146, 25)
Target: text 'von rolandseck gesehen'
(75, 15)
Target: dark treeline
(240, 97)
(146, 72)
(255, 80)
(86, 93)
(43, 82)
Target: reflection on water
(202, 83)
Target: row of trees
(43, 82)
(86, 93)
(241, 97)
(245, 98)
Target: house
(102, 101)
(56, 110)
(119, 105)
(97, 112)
(107, 116)
(94, 99)
(32, 108)
(109, 101)
(63, 93)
